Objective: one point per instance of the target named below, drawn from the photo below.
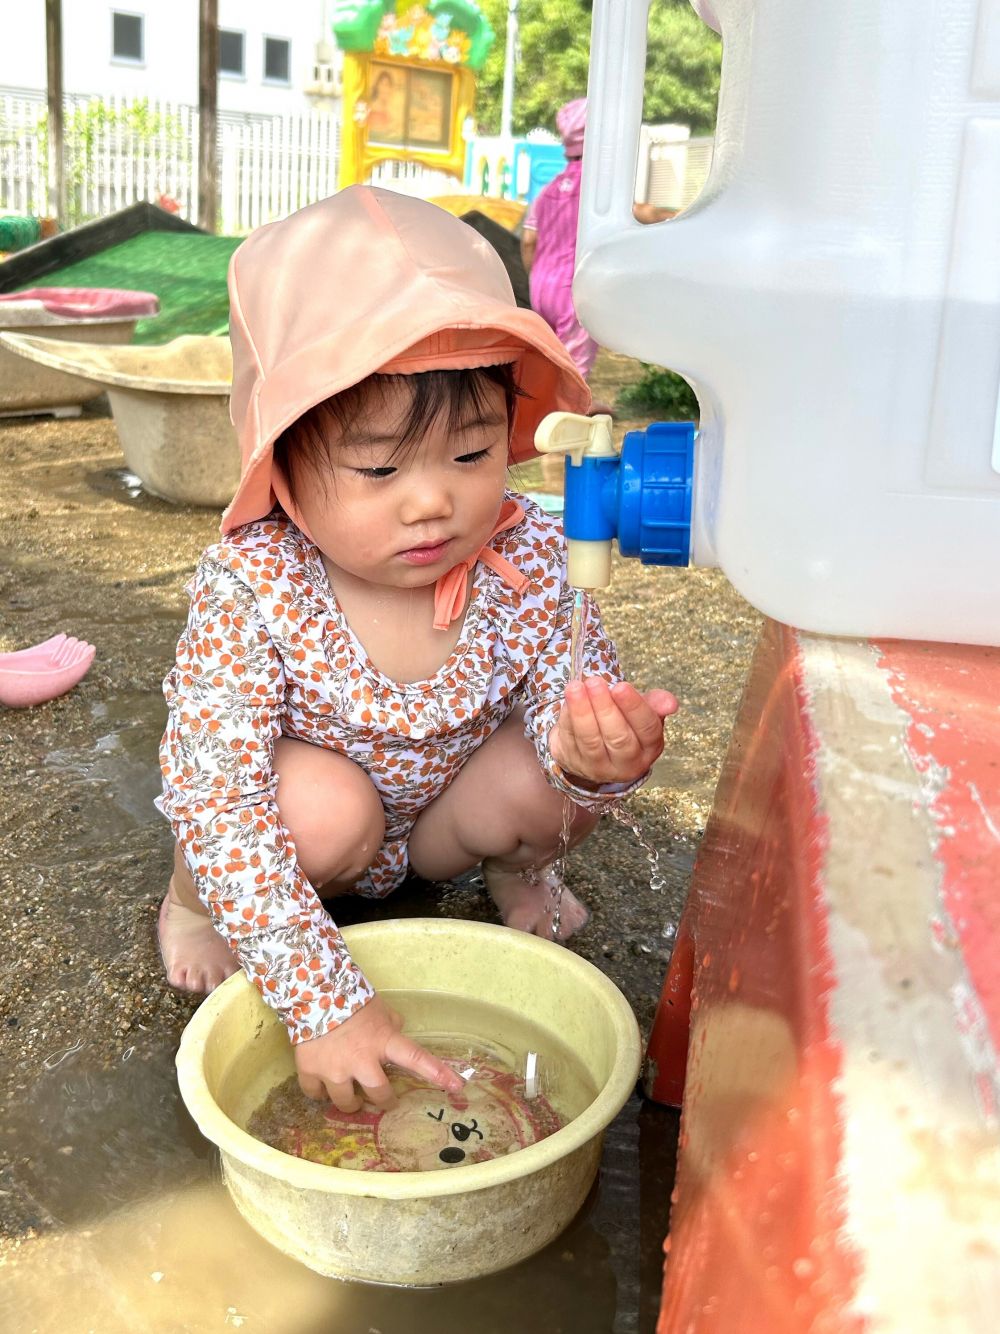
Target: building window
(277, 60)
(232, 54)
(127, 37)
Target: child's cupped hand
(351, 1056)
(609, 734)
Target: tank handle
(614, 114)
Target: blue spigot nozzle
(641, 496)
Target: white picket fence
(672, 168)
(268, 165)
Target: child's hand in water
(354, 1053)
(609, 734)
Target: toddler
(374, 670)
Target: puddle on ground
(115, 778)
(125, 487)
(138, 1232)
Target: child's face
(402, 520)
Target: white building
(149, 48)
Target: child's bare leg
(502, 811)
(333, 853)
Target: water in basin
(522, 1085)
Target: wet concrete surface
(105, 1182)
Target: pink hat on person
(365, 281)
(571, 121)
(704, 10)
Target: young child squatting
(374, 673)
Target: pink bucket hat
(370, 280)
(571, 121)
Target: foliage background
(135, 126)
(683, 62)
(660, 393)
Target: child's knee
(543, 823)
(332, 811)
(537, 807)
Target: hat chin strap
(451, 588)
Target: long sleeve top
(267, 652)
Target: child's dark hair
(456, 393)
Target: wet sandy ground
(90, 1123)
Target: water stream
(556, 871)
(582, 608)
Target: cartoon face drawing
(428, 1130)
(452, 1154)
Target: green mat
(187, 271)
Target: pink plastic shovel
(44, 671)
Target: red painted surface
(667, 1053)
(951, 695)
(756, 1243)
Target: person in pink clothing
(548, 243)
(374, 675)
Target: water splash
(557, 869)
(657, 880)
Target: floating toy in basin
(74, 314)
(426, 1131)
(44, 671)
(420, 1227)
(171, 408)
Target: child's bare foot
(528, 902)
(195, 956)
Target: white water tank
(833, 296)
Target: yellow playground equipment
(409, 82)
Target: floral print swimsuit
(267, 653)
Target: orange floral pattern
(267, 652)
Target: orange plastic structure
(832, 1010)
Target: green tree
(682, 65)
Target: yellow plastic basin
(415, 1227)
